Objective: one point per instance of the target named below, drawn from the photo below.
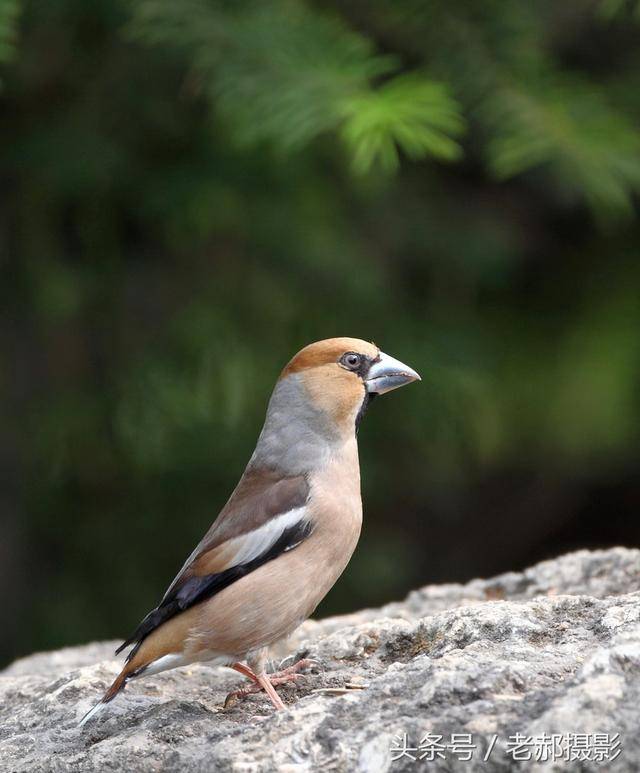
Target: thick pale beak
(387, 374)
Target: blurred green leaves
(284, 74)
(9, 16)
(408, 113)
(568, 126)
(609, 9)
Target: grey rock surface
(506, 668)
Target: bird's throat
(368, 399)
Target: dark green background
(191, 191)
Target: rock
(507, 667)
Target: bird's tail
(117, 686)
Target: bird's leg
(263, 681)
(291, 673)
(260, 681)
(245, 670)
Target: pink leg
(266, 682)
(271, 691)
(243, 668)
(292, 672)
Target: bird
(286, 533)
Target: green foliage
(609, 9)
(283, 74)
(9, 16)
(591, 148)
(407, 112)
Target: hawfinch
(286, 533)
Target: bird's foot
(291, 673)
(266, 682)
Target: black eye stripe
(361, 368)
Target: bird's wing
(265, 517)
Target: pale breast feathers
(265, 517)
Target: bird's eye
(351, 360)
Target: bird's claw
(290, 674)
(295, 668)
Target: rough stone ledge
(554, 649)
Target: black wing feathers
(197, 589)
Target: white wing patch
(246, 547)
(254, 543)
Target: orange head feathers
(340, 376)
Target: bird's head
(341, 375)
(320, 398)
